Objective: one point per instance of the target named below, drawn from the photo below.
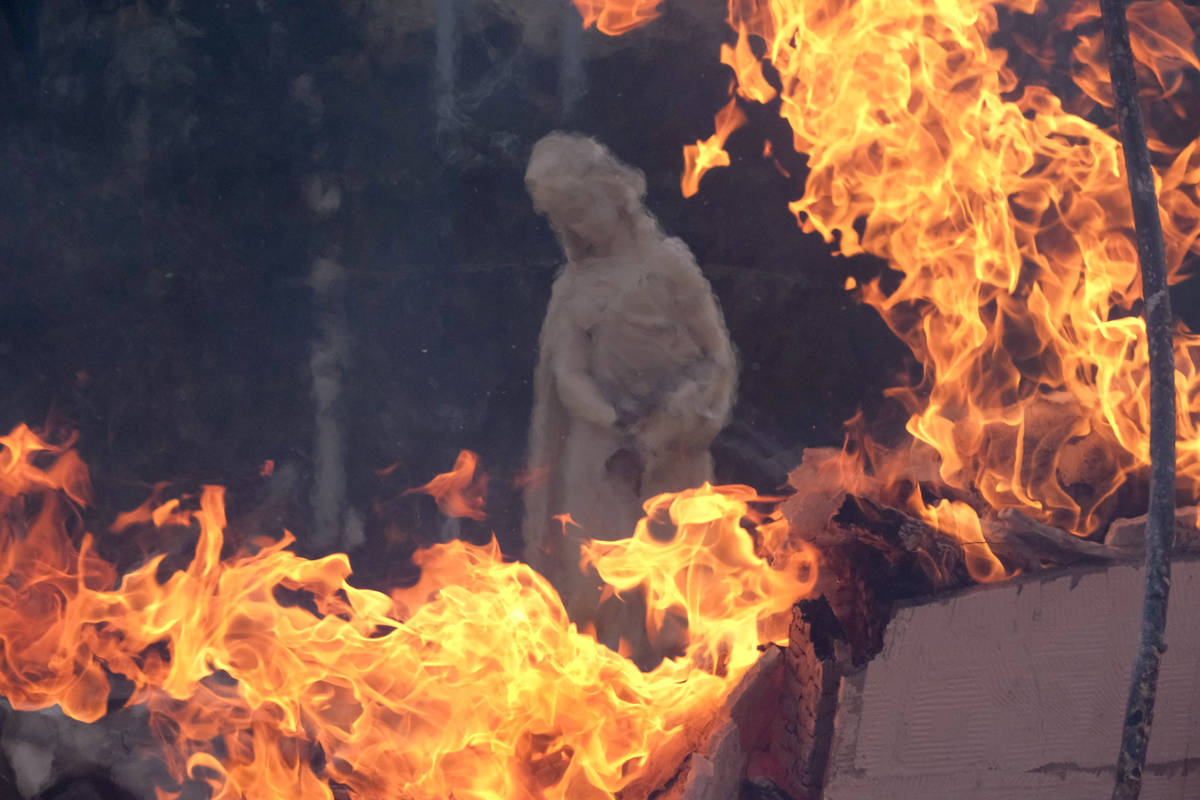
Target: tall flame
(1009, 221)
(269, 675)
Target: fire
(747, 67)
(1008, 218)
(461, 492)
(710, 573)
(702, 156)
(1010, 221)
(615, 18)
(708, 153)
(269, 675)
(960, 521)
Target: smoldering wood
(908, 543)
(1129, 535)
(850, 580)
(1019, 541)
(821, 486)
(872, 557)
(1014, 690)
(1026, 544)
(1160, 525)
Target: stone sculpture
(636, 373)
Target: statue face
(586, 211)
(593, 218)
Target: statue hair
(569, 165)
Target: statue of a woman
(636, 373)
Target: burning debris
(266, 673)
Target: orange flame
(702, 156)
(152, 510)
(748, 68)
(616, 18)
(1009, 219)
(708, 570)
(470, 684)
(459, 492)
(1163, 44)
(960, 521)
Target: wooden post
(1160, 526)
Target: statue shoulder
(678, 269)
(676, 252)
(574, 304)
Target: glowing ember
(470, 684)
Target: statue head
(592, 200)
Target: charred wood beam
(1027, 544)
(1129, 535)
(1020, 542)
(1160, 525)
(912, 548)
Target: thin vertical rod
(1160, 522)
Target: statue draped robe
(639, 334)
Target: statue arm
(576, 388)
(710, 390)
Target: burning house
(270, 268)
